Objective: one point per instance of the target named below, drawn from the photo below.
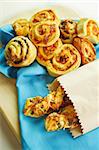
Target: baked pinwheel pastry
(65, 119)
(44, 15)
(44, 34)
(68, 30)
(21, 27)
(65, 61)
(89, 29)
(36, 107)
(46, 53)
(20, 52)
(71, 116)
(86, 49)
(55, 121)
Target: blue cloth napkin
(32, 81)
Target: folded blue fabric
(32, 81)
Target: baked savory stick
(39, 106)
(55, 101)
(36, 107)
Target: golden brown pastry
(89, 29)
(71, 116)
(65, 61)
(39, 106)
(44, 15)
(86, 49)
(21, 27)
(46, 53)
(44, 34)
(68, 30)
(36, 107)
(55, 121)
(56, 99)
(67, 118)
(20, 52)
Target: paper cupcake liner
(81, 88)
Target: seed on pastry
(44, 15)
(20, 52)
(86, 49)
(68, 30)
(65, 61)
(21, 27)
(44, 34)
(46, 53)
(36, 107)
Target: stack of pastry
(60, 46)
(56, 57)
(57, 105)
(39, 106)
(82, 35)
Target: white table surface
(8, 8)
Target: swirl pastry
(65, 61)
(36, 107)
(89, 29)
(68, 30)
(20, 52)
(55, 121)
(65, 119)
(86, 49)
(21, 27)
(46, 53)
(44, 15)
(71, 116)
(44, 34)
